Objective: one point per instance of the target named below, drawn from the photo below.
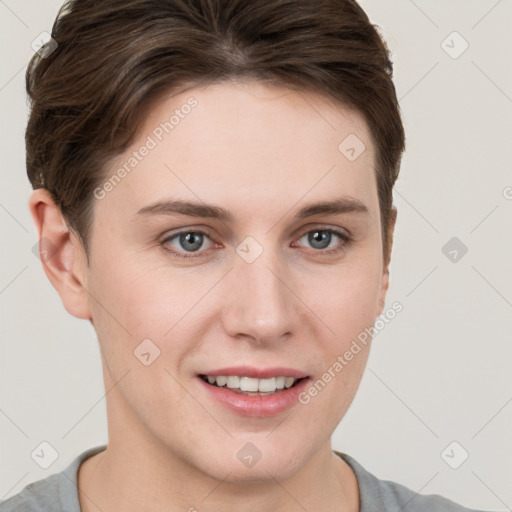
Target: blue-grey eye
(320, 238)
(187, 241)
(191, 241)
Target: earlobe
(385, 274)
(383, 292)
(61, 253)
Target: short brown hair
(114, 56)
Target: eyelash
(346, 239)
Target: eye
(321, 238)
(186, 241)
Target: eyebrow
(337, 206)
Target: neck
(131, 481)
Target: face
(214, 254)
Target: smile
(249, 385)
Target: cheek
(142, 300)
(133, 309)
(141, 308)
(331, 392)
(345, 299)
(347, 307)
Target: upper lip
(256, 373)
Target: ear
(62, 254)
(385, 273)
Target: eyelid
(324, 227)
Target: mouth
(251, 386)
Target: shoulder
(386, 496)
(55, 493)
(36, 496)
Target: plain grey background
(438, 386)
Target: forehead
(237, 110)
(250, 144)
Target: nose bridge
(261, 305)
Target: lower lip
(256, 406)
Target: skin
(263, 153)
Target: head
(258, 110)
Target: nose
(260, 304)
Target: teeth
(251, 385)
(289, 382)
(233, 382)
(221, 381)
(265, 385)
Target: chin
(249, 464)
(261, 473)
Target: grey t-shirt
(58, 493)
